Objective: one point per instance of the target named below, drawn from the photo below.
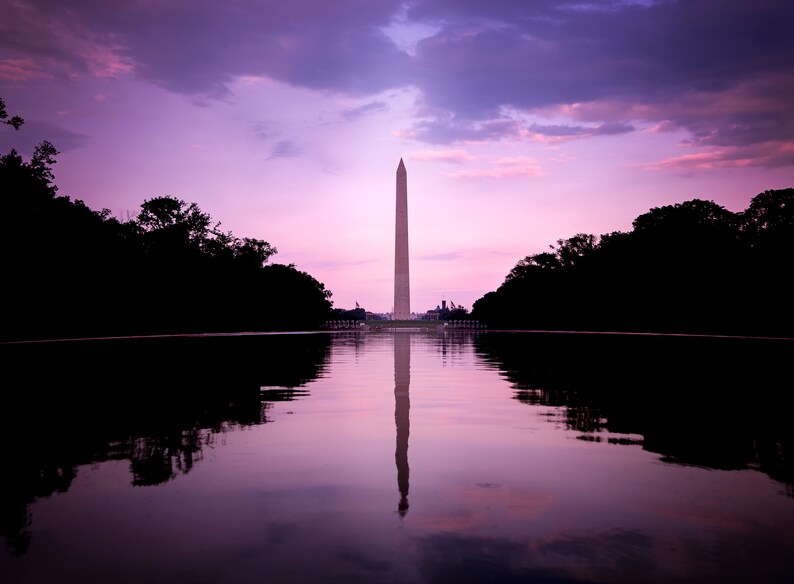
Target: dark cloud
(488, 56)
(752, 112)
(612, 129)
(766, 155)
(558, 131)
(33, 132)
(285, 149)
(199, 46)
(447, 129)
(722, 70)
(363, 110)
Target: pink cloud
(603, 110)
(21, 70)
(752, 113)
(514, 167)
(663, 127)
(104, 62)
(768, 155)
(554, 134)
(57, 41)
(454, 156)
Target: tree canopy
(14, 121)
(72, 271)
(690, 267)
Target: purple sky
(520, 122)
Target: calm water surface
(398, 457)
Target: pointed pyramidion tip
(401, 165)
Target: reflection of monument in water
(402, 290)
(402, 405)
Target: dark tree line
(349, 314)
(692, 267)
(71, 271)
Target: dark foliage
(14, 121)
(692, 267)
(351, 314)
(70, 271)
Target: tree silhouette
(71, 271)
(690, 267)
(15, 121)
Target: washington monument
(402, 289)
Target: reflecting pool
(449, 456)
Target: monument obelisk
(402, 290)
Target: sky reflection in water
(406, 457)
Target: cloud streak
(768, 155)
(372, 107)
(505, 168)
(452, 156)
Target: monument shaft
(402, 291)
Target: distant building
(442, 312)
